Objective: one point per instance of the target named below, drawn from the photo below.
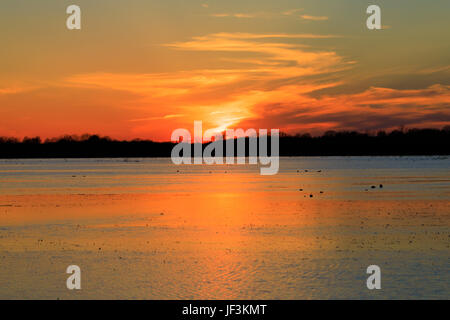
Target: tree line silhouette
(331, 143)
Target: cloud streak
(313, 18)
(234, 15)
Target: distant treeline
(332, 143)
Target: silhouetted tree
(397, 142)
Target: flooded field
(147, 229)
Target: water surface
(147, 229)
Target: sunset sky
(143, 68)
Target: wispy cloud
(165, 117)
(16, 89)
(313, 18)
(274, 14)
(438, 69)
(271, 61)
(251, 36)
(234, 15)
(291, 60)
(291, 12)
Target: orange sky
(141, 70)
